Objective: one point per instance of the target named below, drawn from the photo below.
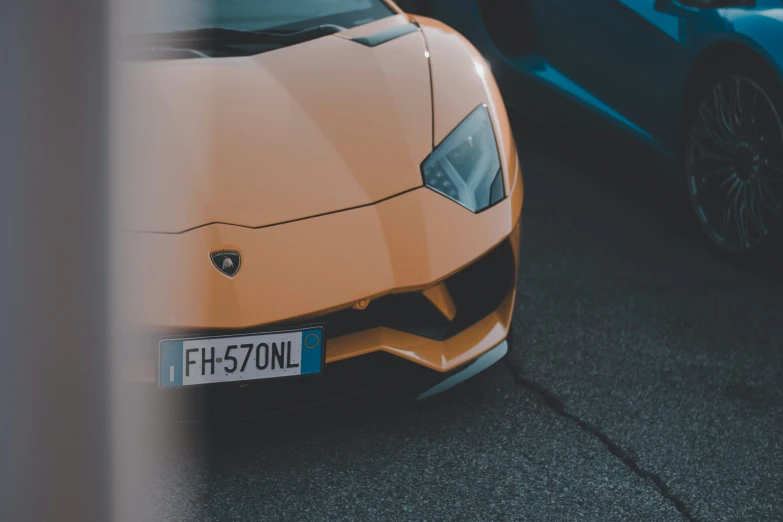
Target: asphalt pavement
(644, 384)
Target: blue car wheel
(734, 160)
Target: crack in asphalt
(554, 403)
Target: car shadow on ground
(335, 419)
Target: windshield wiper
(222, 34)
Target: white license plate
(188, 362)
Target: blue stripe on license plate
(171, 363)
(311, 351)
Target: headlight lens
(466, 167)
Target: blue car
(694, 86)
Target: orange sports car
(328, 202)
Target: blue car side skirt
(541, 71)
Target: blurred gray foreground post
(54, 356)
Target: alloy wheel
(734, 165)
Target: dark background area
(643, 385)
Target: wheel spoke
(755, 213)
(712, 156)
(766, 198)
(739, 218)
(709, 131)
(714, 179)
(753, 105)
(725, 220)
(766, 138)
(723, 107)
(721, 126)
(732, 178)
(736, 184)
(737, 110)
(723, 171)
(774, 167)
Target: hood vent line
(386, 36)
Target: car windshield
(170, 16)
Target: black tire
(733, 161)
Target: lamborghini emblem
(226, 261)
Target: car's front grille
(477, 290)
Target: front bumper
(400, 345)
(408, 246)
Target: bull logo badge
(226, 261)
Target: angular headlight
(466, 166)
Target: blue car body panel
(615, 71)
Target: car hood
(255, 141)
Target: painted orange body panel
(307, 160)
(317, 127)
